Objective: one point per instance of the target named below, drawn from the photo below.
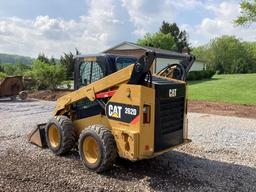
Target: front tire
(97, 148)
(60, 135)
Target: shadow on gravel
(183, 171)
(73, 154)
(174, 171)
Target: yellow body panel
(138, 135)
(81, 124)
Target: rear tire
(97, 148)
(60, 135)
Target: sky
(29, 27)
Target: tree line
(225, 54)
(228, 55)
(14, 59)
(44, 72)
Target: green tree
(229, 55)
(21, 69)
(2, 75)
(43, 58)
(47, 76)
(77, 52)
(226, 54)
(9, 69)
(180, 37)
(14, 69)
(1, 68)
(248, 12)
(201, 52)
(158, 40)
(68, 62)
(251, 50)
(52, 61)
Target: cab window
(90, 71)
(122, 62)
(97, 72)
(85, 69)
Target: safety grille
(171, 114)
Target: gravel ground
(220, 158)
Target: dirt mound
(48, 95)
(225, 109)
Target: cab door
(89, 72)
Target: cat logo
(114, 111)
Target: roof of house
(147, 48)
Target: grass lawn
(238, 88)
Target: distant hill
(7, 58)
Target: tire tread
(109, 146)
(67, 134)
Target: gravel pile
(220, 158)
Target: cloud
(108, 22)
(29, 37)
(148, 15)
(4, 29)
(188, 4)
(222, 23)
(105, 24)
(225, 9)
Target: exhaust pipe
(37, 136)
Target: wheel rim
(53, 135)
(90, 150)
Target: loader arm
(90, 90)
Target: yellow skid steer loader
(120, 109)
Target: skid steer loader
(120, 109)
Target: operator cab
(90, 68)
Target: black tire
(13, 98)
(66, 134)
(23, 95)
(106, 145)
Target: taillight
(146, 114)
